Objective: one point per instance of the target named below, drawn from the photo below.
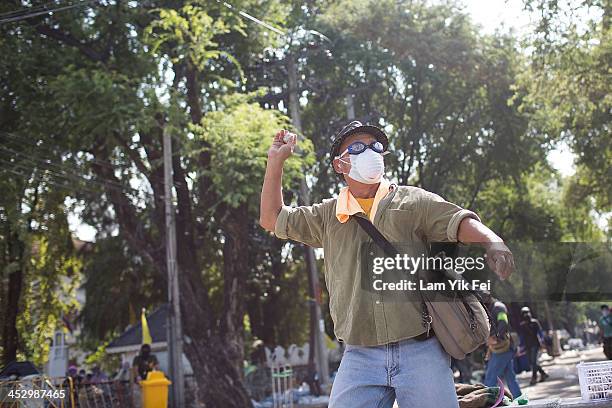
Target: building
(64, 346)
(129, 342)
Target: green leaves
(53, 276)
(188, 34)
(441, 89)
(567, 88)
(108, 102)
(238, 138)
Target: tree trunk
(235, 274)
(215, 352)
(10, 335)
(218, 380)
(219, 383)
(265, 315)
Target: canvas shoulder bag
(461, 323)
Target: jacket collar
(348, 205)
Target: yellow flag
(146, 334)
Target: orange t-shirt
(366, 204)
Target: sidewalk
(562, 389)
(563, 381)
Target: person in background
(98, 375)
(73, 381)
(87, 380)
(144, 362)
(464, 367)
(72, 373)
(501, 348)
(530, 329)
(605, 331)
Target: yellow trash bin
(155, 390)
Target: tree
(104, 101)
(440, 89)
(39, 264)
(115, 278)
(88, 93)
(567, 87)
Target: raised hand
(282, 146)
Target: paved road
(563, 381)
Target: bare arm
(272, 191)
(499, 257)
(472, 231)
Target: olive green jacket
(406, 214)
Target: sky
(491, 15)
(498, 14)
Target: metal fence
(282, 386)
(64, 392)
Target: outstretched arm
(499, 257)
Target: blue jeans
(416, 373)
(502, 365)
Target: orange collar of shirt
(347, 205)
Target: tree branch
(67, 39)
(126, 214)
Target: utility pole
(174, 334)
(316, 323)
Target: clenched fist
(500, 259)
(282, 146)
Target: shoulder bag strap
(380, 240)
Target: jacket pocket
(398, 223)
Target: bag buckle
(427, 319)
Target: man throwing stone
(389, 354)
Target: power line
(43, 12)
(18, 140)
(29, 12)
(24, 175)
(250, 17)
(51, 173)
(37, 161)
(268, 25)
(70, 176)
(25, 10)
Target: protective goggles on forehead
(360, 147)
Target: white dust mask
(367, 167)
